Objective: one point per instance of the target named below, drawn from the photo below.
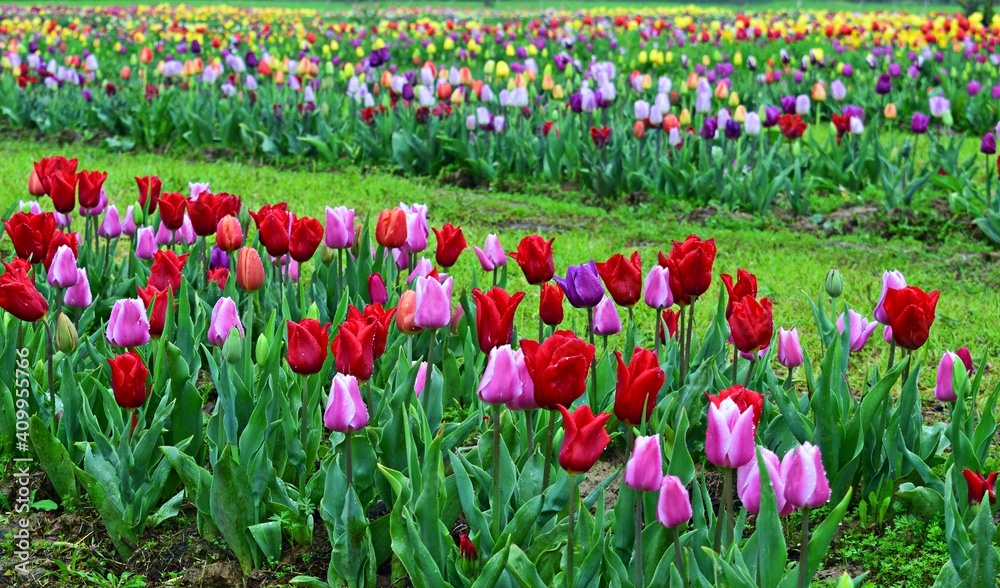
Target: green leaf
(268, 538)
(771, 551)
(232, 508)
(494, 567)
(819, 541)
(121, 534)
(54, 459)
(981, 569)
(523, 569)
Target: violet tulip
(492, 255)
(944, 386)
(988, 144)
(919, 122)
(789, 348)
(62, 271)
(501, 382)
(582, 285)
(657, 293)
(421, 381)
(748, 483)
(433, 303)
(78, 295)
(128, 221)
(128, 325)
(644, 470)
(345, 411)
(225, 318)
(729, 440)
(673, 508)
(339, 228)
(377, 293)
(804, 478)
(861, 329)
(606, 319)
(111, 224)
(145, 243)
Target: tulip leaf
(54, 459)
(523, 569)
(819, 541)
(981, 569)
(478, 525)
(681, 464)
(771, 551)
(231, 502)
(490, 576)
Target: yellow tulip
(643, 56)
(502, 69)
(738, 59)
(819, 92)
(489, 66)
(722, 91)
(734, 99)
(692, 81)
(685, 118)
(547, 83)
(740, 114)
(557, 92)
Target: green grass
(790, 265)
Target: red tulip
(308, 342)
(600, 136)
(202, 214)
(550, 307)
(746, 285)
(752, 324)
(18, 294)
(744, 398)
(166, 271)
(450, 244)
(128, 379)
(272, 227)
(51, 166)
(638, 384)
(219, 276)
(495, 317)
(623, 277)
(980, 486)
(585, 439)
(149, 192)
(353, 348)
(62, 190)
(155, 301)
(558, 368)
(792, 126)
(383, 321)
(534, 255)
(31, 234)
(390, 230)
(229, 234)
(910, 312)
(249, 270)
(307, 233)
(690, 265)
(90, 187)
(172, 208)
(670, 319)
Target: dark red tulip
(306, 235)
(172, 208)
(353, 348)
(18, 294)
(50, 166)
(383, 322)
(31, 234)
(638, 384)
(272, 227)
(669, 318)
(150, 188)
(981, 486)
(550, 307)
(90, 183)
(155, 301)
(690, 264)
(910, 313)
(752, 324)
(534, 255)
(585, 439)
(202, 214)
(128, 379)
(495, 311)
(62, 190)
(450, 244)
(623, 277)
(745, 285)
(308, 342)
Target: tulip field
(617, 297)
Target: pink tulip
(78, 295)
(748, 483)
(225, 318)
(128, 222)
(433, 305)
(418, 384)
(339, 227)
(145, 243)
(789, 348)
(805, 480)
(893, 280)
(111, 225)
(644, 470)
(674, 505)
(606, 319)
(944, 386)
(500, 383)
(128, 325)
(861, 329)
(164, 236)
(62, 273)
(345, 410)
(729, 441)
(422, 269)
(657, 288)
(492, 255)
(525, 399)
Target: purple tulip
(919, 122)
(62, 272)
(418, 384)
(883, 85)
(837, 90)
(944, 386)
(988, 144)
(433, 305)
(345, 410)
(339, 228)
(673, 507)
(729, 440)
(748, 483)
(225, 318)
(492, 255)
(771, 114)
(582, 285)
(891, 280)
(501, 382)
(78, 295)
(644, 470)
(973, 88)
(805, 480)
(861, 329)
(732, 130)
(656, 288)
(788, 104)
(789, 348)
(128, 326)
(606, 319)
(218, 258)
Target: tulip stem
(304, 432)
(637, 557)
(678, 553)
(725, 510)
(788, 381)
(682, 339)
(52, 383)
(804, 550)
(548, 451)
(430, 370)
(369, 395)
(574, 497)
(736, 358)
(892, 355)
(494, 277)
(496, 473)
(349, 457)
(749, 374)
(530, 429)
(657, 325)
(690, 333)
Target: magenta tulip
(339, 228)
(501, 382)
(492, 255)
(225, 318)
(861, 329)
(644, 470)
(804, 477)
(433, 304)
(78, 295)
(729, 440)
(128, 325)
(789, 348)
(606, 319)
(62, 271)
(944, 387)
(673, 508)
(748, 483)
(657, 288)
(345, 410)
(525, 399)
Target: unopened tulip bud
(262, 349)
(249, 270)
(313, 312)
(834, 284)
(405, 313)
(327, 255)
(232, 349)
(66, 337)
(644, 470)
(377, 293)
